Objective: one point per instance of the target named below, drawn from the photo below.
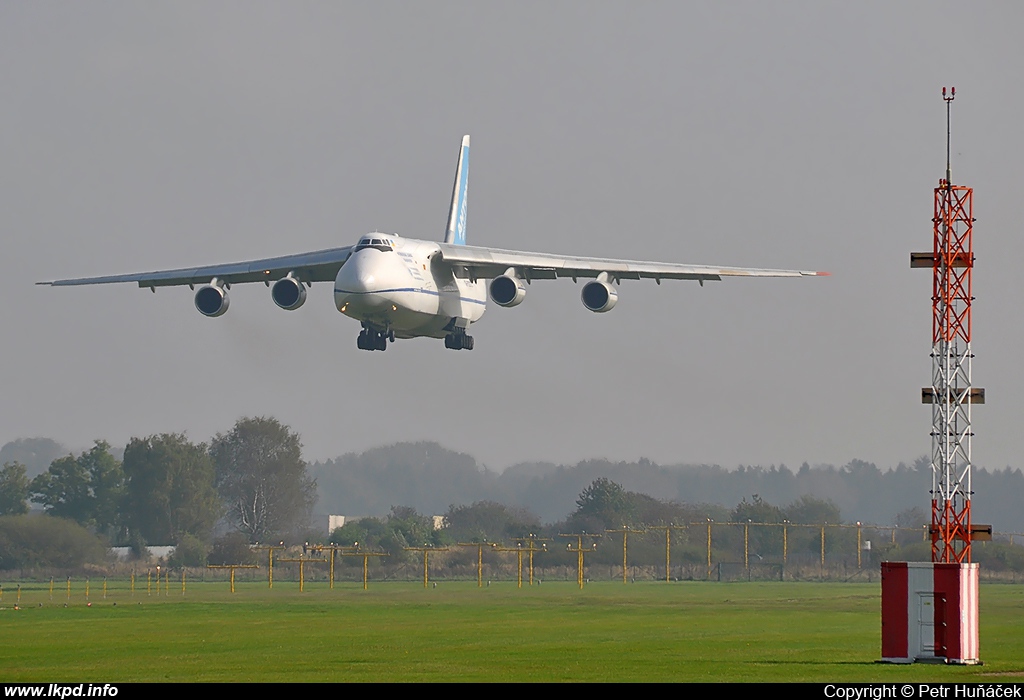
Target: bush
(190, 551)
(43, 541)
(232, 548)
(998, 556)
(918, 551)
(137, 544)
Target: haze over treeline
(430, 478)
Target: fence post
(709, 550)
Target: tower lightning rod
(948, 100)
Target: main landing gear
(458, 341)
(371, 339)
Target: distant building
(334, 522)
(156, 552)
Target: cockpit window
(377, 243)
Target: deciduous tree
(13, 489)
(35, 453)
(761, 540)
(813, 511)
(63, 490)
(86, 489)
(170, 489)
(604, 504)
(262, 478)
(489, 521)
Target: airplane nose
(358, 275)
(364, 281)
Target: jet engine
(212, 300)
(288, 293)
(599, 296)
(507, 290)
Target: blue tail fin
(460, 194)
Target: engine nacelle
(507, 290)
(599, 296)
(212, 300)
(288, 293)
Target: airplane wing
(487, 263)
(318, 266)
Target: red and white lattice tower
(930, 610)
(951, 393)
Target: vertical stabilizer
(456, 232)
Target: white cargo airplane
(405, 288)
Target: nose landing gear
(372, 339)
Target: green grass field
(690, 631)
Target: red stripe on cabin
(894, 610)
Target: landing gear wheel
(458, 341)
(372, 340)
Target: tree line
(166, 490)
(751, 530)
(602, 506)
(251, 484)
(429, 477)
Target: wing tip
(823, 274)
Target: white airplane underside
(404, 288)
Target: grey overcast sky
(141, 136)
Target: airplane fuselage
(399, 285)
